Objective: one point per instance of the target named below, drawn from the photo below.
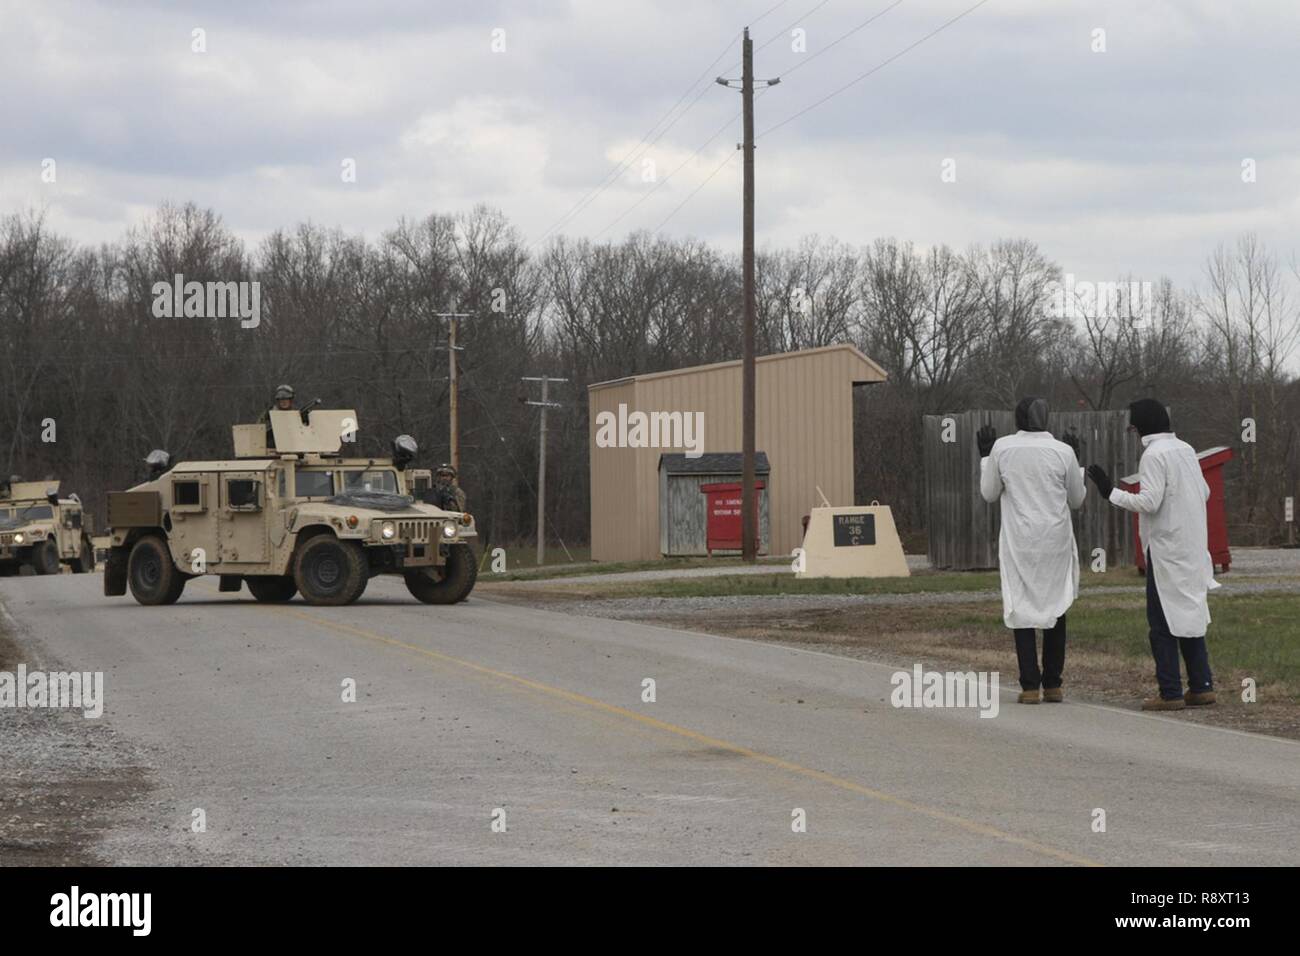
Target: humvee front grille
(417, 530)
(6, 540)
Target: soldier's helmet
(284, 391)
(446, 471)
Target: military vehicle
(289, 514)
(41, 531)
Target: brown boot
(1159, 703)
(1199, 698)
(1053, 695)
(1030, 697)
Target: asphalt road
(481, 706)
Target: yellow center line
(841, 783)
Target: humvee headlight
(352, 521)
(388, 530)
(19, 539)
(449, 531)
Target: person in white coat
(1170, 504)
(1038, 480)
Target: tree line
(91, 379)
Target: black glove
(1101, 480)
(985, 438)
(1071, 439)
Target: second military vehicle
(41, 531)
(288, 514)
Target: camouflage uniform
(448, 495)
(445, 493)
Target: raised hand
(1102, 480)
(1071, 439)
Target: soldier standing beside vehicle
(445, 493)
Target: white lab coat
(1038, 480)
(1172, 523)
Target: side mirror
(52, 497)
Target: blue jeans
(1165, 648)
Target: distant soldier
(283, 403)
(446, 493)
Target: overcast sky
(1128, 160)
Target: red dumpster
(722, 513)
(1212, 461)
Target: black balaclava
(1031, 414)
(1148, 416)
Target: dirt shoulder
(67, 780)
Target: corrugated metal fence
(963, 529)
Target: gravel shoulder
(68, 780)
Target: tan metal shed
(804, 422)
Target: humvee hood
(373, 501)
(9, 524)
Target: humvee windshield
(31, 512)
(313, 484)
(370, 480)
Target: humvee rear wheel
(85, 561)
(330, 571)
(448, 584)
(45, 557)
(274, 588)
(151, 573)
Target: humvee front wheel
(329, 571)
(151, 573)
(272, 588)
(448, 584)
(45, 557)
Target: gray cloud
(1127, 160)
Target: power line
(644, 145)
(789, 26)
(875, 69)
(718, 132)
(838, 40)
(726, 159)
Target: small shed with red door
(693, 501)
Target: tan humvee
(41, 531)
(288, 516)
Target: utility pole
(544, 404)
(748, 498)
(453, 382)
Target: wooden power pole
(748, 497)
(453, 383)
(544, 404)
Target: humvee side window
(75, 519)
(242, 494)
(186, 493)
(313, 484)
(282, 484)
(420, 484)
